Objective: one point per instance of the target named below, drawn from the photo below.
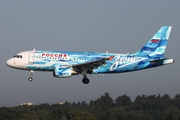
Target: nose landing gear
(30, 79)
(31, 74)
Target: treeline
(152, 107)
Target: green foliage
(150, 107)
(123, 101)
(80, 115)
(63, 118)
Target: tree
(123, 101)
(177, 101)
(63, 118)
(106, 102)
(80, 115)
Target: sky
(117, 26)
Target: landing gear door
(31, 57)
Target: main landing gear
(85, 80)
(31, 74)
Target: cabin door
(31, 57)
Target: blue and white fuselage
(65, 64)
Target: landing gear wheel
(30, 79)
(85, 80)
(31, 74)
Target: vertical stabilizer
(156, 46)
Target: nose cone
(9, 63)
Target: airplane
(65, 64)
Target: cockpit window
(17, 56)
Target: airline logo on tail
(154, 40)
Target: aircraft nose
(9, 62)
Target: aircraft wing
(91, 65)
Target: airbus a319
(65, 64)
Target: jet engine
(63, 72)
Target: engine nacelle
(62, 72)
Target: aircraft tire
(85, 80)
(30, 79)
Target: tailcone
(168, 61)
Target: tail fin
(155, 47)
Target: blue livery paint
(65, 63)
